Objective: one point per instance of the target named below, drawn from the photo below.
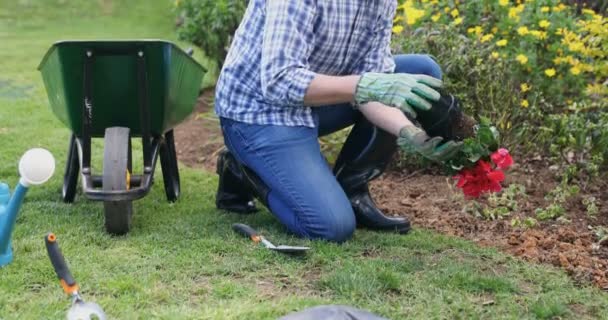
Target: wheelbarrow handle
(61, 268)
(246, 231)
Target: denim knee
(418, 64)
(337, 227)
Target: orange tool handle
(63, 273)
(247, 231)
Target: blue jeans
(304, 194)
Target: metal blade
(86, 311)
(291, 249)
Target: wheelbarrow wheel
(116, 173)
(72, 169)
(168, 162)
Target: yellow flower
(544, 9)
(576, 46)
(487, 38)
(588, 11)
(575, 70)
(477, 30)
(436, 17)
(560, 7)
(503, 3)
(495, 55)
(524, 103)
(454, 13)
(550, 72)
(397, 29)
(412, 15)
(457, 21)
(544, 24)
(522, 31)
(522, 59)
(502, 43)
(525, 87)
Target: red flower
(502, 159)
(480, 179)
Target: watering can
(35, 167)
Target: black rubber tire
(169, 166)
(72, 170)
(116, 160)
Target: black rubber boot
(365, 155)
(232, 193)
(238, 186)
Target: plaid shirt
(281, 45)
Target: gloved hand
(413, 139)
(400, 90)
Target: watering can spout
(35, 167)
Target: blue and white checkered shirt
(281, 45)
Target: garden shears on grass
(80, 309)
(249, 232)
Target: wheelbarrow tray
(118, 90)
(173, 80)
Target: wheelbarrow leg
(72, 169)
(168, 162)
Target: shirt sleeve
(286, 45)
(379, 57)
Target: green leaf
(485, 136)
(484, 122)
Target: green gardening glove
(400, 90)
(414, 140)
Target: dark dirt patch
(431, 201)
(198, 139)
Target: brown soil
(431, 201)
(198, 140)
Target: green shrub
(210, 24)
(485, 87)
(535, 68)
(578, 140)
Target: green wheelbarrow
(119, 90)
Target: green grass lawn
(183, 261)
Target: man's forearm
(327, 90)
(389, 119)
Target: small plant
(601, 233)
(498, 206)
(558, 197)
(553, 211)
(590, 204)
(527, 223)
